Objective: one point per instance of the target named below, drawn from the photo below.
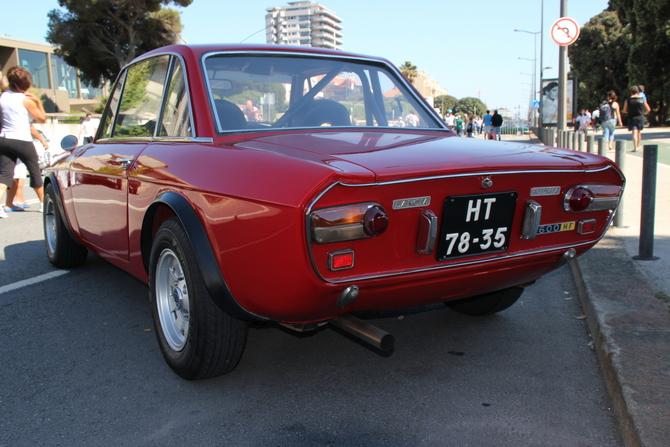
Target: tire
(488, 303)
(198, 340)
(62, 250)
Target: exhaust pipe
(364, 331)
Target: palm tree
(409, 71)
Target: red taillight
(592, 197)
(375, 221)
(579, 199)
(348, 223)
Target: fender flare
(204, 253)
(51, 179)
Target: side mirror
(68, 142)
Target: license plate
(476, 224)
(555, 228)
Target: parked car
(268, 183)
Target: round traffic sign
(564, 31)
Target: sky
(470, 48)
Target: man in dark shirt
(636, 107)
(496, 122)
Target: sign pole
(562, 75)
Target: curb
(631, 333)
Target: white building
(304, 23)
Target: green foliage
(100, 37)
(599, 59)
(444, 103)
(101, 107)
(624, 46)
(409, 71)
(470, 106)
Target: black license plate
(476, 224)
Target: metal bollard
(590, 144)
(620, 158)
(552, 137)
(580, 142)
(573, 140)
(602, 147)
(647, 215)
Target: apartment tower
(304, 23)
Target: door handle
(125, 162)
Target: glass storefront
(64, 76)
(36, 63)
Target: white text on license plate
(555, 228)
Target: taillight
(348, 223)
(581, 198)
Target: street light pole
(534, 64)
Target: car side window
(110, 113)
(141, 99)
(176, 119)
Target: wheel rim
(172, 300)
(50, 225)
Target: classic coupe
(249, 183)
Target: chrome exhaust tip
(567, 256)
(364, 331)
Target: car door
(99, 174)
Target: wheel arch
(169, 204)
(50, 179)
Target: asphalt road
(80, 366)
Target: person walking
(16, 142)
(496, 122)
(609, 115)
(636, 107)
(487, 124)
(88, 129)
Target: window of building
(64, 76)
(36, 63)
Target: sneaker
(3, 214)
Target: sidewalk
(627, 304)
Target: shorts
(20, 170)
(636, 123)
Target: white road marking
(31, 281)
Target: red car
(298, 185)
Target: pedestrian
(15, 201)
(584, 121)
(478, 125)
(18, 106)
(459, 125)
(641, 88)
(450, 119)
(487, 124)
(636, 107)
(470, 127)
(88, 129)
(496, 122)
(412, 119)
(609, 115)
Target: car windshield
(280, 91)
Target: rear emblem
(545, 191)
(414, 202)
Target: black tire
(487, 304)
(62, 250)
(197, 339)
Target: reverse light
(582, 198)
(348, 223)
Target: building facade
(304, 23)
(428, 86)
(58, 83)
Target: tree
(648, 21)
(470, 106)
(444, 103)
(409, 71)
(599, 59)
(99, 37)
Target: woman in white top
(16, 141)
